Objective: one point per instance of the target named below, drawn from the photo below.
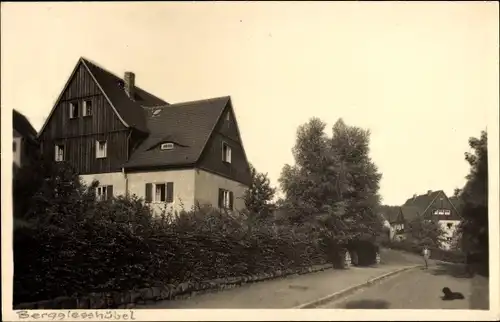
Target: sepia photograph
(266, 158)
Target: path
(291, 291)
(420, 289)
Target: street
(420, 289)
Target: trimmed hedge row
(436, 253)
(121, 246)
(129, 299)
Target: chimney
(429, 192)
(129, 80)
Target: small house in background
(431, 205)
(25, 146)
(174, 156)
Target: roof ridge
(199, 101)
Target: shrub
(119, 245)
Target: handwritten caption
(72, 315)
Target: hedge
(436, 253)
(120, 246)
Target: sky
(422, 76)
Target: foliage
(474, 198)
(258, 198)
(423, 232)
(451, 256)
(333, 175)
(68, 243)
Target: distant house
(134, 143)
(25, 145)
(433, 204)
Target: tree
(333, 175)
(474, 199)
(423, 232)
(258, 198)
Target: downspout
(123, 168)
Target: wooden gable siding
(442, 202)
(103, 119)
(211, 160)
(80, 152)
(79, 135)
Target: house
(432, 205)
(25, 146)
(175, 156)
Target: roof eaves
(103, 92)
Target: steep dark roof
(21, 124)
(188, 125)
(422, 201)
(410, 212)
(131, 111)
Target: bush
(119, 245)
(451, 256)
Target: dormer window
(73, 110)
(167, 146)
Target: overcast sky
(423, 77)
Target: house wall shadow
(367, 304)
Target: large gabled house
(134, 143)
(24, 146)
(432, 205)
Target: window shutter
(221, 198)
(149, 191)
(170, 191)
(231, 200)
(55, 153)
(109, 192)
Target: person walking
(427, 254)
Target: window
(225, 199)
(104, 192)
(59, 153)
(160, 192)
(167, 146)
(73, 110)
(87, 108)
(226, 152)
(101, 149)
(442, 212)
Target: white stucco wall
(207, 189)
(184, 187)
(189, 186)
(448, 232)
(116, 179)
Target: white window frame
(84, 110)
(101, 193)
(73, 109)
(156, 194)
(226, 153)
(167, 146)
(59, 152)
(226, 199)
(101, 153)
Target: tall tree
(474, 198)
(425, 232)
(258, 198)
(333, 175)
